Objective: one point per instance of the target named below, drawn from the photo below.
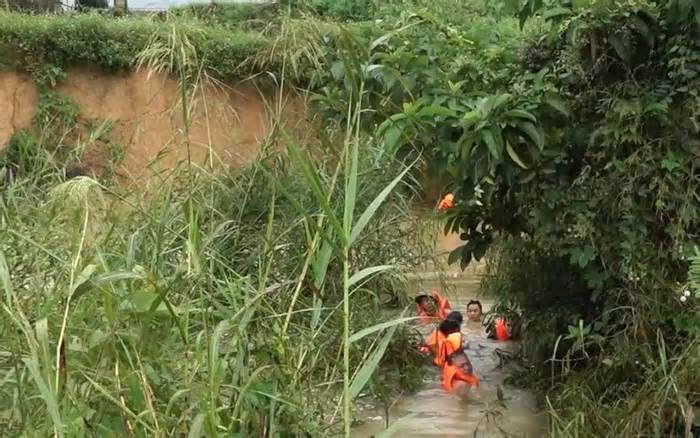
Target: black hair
(420, 297)
(477, 302)
(423, 296)
(451, 358)
(455, 316)
(516, 323)
(460, 352)
(449, 326)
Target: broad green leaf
(489, 137)
(364, 273)
(320, 264)
(621, 46)
(365, 372)
(374, 206)
(527, 10)
(582, 256)
(520, 114)
(390, 122)
(643, 28)
(556, 13)
(455, 254)
(83, 277)
(435, 110)
(470, 119)
(493, 103)
(337, 70)
(142, 300)
(514, 156)
(558, 105)
(392, 138)
(381, 326)
(533, 133)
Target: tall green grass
(109, 331)
(214, 304)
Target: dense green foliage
(572, 147)
(568, 132)
(216, 303)
(30, 42)
(129, 314)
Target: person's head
(459, 359)
(427, 304)
(455, 316)
(513, 325)
(448, 326)
(474, 311)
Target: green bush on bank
(573, 147)
(29, 41)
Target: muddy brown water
(431, 412)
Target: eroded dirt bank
(145, 117)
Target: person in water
(452, 340)
(474, 311)
(436, 337)
(505, 327)
(447, 202)
(429, 307)
(458, 374)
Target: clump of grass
(29, 41)
(110, 330)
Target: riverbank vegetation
(212, 303)
(568, 132)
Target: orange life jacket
(501, 331)
(449, 345)
(452, 374)
(443, 309)
(447, 202)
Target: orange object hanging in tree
(447, 202)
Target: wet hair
(460, 353)
(455, 316)
(423, 296)
(454, 355)
(477, 302)
(449, 326)
(420, 297)
(516, 324)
